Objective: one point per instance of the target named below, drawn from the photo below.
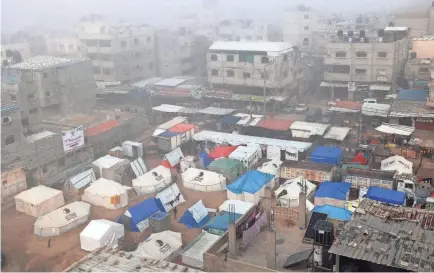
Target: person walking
(175, 211)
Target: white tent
(248, 155)
(80, 180)
(62, 219)
(201, 180)
(101, 233)
(39, 200)
(152, 181)
(397, 163)
(160, 245)
(193, 253)
(239, 207)
(293, 189)
(272, 167)
(110, 167)
(106, 193)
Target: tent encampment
(332, 193)
(136, 218)
(397, 163)
(106, 193)
(272, 167)
(62, 219)
(152, 181)
(80, 181)
(386, 196)
(196, 216)
(160, 246)
(336, 213)
(231, 169)
(193, 253)
(201, 180)
(39, 200)
(101, 233)
(111, 168)
(250, 186)
(292, 188)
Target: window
(151, 65)
(361, 54)
(106, 71)
(245, 57)
(360, 71)
(90, 43)
(6, 120)
(230, 58)
(246, 75)
(31, 96)
(345, 69)
(213, 57)
(423, 70)
(306, 16)
(33, 111)
(214, 72)
(105, 43)
(382, 54)
(96, 70)
(306, 28)
(25, 122)
(48, 93)
(265, 60)
(341, 54)
(13, 97)
(230, 73)
(93, 56)
(260, 38)
(9, 140)
(306, 41)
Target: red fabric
(102, 127)
(221, 151)
(275, 124)
(360, 159)
(375, 141)
(349, 105)
(165, 163)
(181, 128)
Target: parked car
(301, 108)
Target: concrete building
(368, 68)
(43, 86)
(119, 53)
(417, 72)
(430, 101)
(420, 21)
(64, 46)
(247, 31)
(246, 67)
(12, 130)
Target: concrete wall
(213, 263)
(12, 128)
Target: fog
(62, 14)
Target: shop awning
(395, 129)
(375, 109)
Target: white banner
(73, 139)
(170, 197)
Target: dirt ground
(27, 252)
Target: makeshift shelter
(205, 159)
(170, 198)
(240, 207)
(188, 162)
(136, 218)
(152, 181)
(160, 246)
(221, 151)
(201, 180)
(250, 186)
(80, 181)
(111, 168)
(248, 155)
(288, 193)
(230, 120)
(62, 219)
(193, 253)
(332, 193)
(39, 200)
(271, 167)
(101, 233)
(106, 193)
(196, 216)
(395, 129)
(386, 196)
(230, 168)
(327, 154)
(220, 223)
(360, 158)
(166, 163)
(397, 163)
(336, 213)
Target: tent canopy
(271, 167)
(397, 163)
(327, 154)
(100, 233)
(334, 190)
(82, 179)
(202, 180)
(227, 167)
(333, 212)
(152, 181)
(241, 207)
(386, 196)
(394, 129)
(160, 245)
(222, 151)
(140, 213)
(293, 188)
(196, 216)
(221, 221)
(251, 182)
(206, 160)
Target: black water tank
(350, 33)
(362, 34)
(323, 233)
(340, 33)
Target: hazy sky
(61, 14)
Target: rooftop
(60, 217)
(410, 108)
(38, 195)
(39, 136)
(307, 165)
(272, 48)
(43, 62)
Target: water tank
(340, 33)
(317, 255)
(380, 32)
(323, 233)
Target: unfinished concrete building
(12, 131)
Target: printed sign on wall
(73, 139)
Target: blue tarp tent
(414, 95)
(220, 223)
(335, 190)
(206, 160)
(328, 155)
(196, 216)
(230, 120)
(250, 182)
(168, 134)
(386, 196)
(333, 212)
(136, 217)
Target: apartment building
(247, 31)
(12, 130)
(417, 70)
(43, 86)
(357, 67)
(120, 53)
(64, 46)
(420, 21)
(246, 67)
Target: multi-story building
(298, 26)
(247, 31)
(12, 131)
(358, 67)
(64, 46)
(119, 53)
(420, 21)
(417, 72)
(246, 68)
(43, 86)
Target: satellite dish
(159, 243)
(201, 174)
(154, 174)
(66, 210)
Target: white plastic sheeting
(188, 162)
(397, 163)
(272, 167)
(216, 111)
(240, 207)
(337, 133)
(39, 200)
(395, 129)
(152, 181)
(81, 180)
(170, 197)
(174, 157)
(139, 167)
(106, 193)
(375, 109)
(160, 245)
(198, 211)
(193, 253)
(101, 233)
(302, 129)
(168, 108)
(293, 188)
(248, 155)
(201, 180)
(62, 219)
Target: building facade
(247, 31)
(43, 86)
(119, 53)
(12, 130)
(417, 72)
(64, 46)
(420, 21)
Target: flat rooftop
(269, 47)
(43, 62)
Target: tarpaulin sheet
(181, 128)
(168, 134)
(275, 124)
(206, 160)
(334, 190)
(328, 155)
(196, 216)
(333, 212)
(385, 195)
(360, 158)
(222, 221)
(141, 212)
(221, 151)
(230, 120)
(251, 182)
(414, 95)
(227, 167)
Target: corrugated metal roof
(337, 133)
(83, 179)
(272, 48)
(306, 129)
(171, 82)
(375, 109)
(216, 111)
(410, 108)
(102, 127)
(147, 82)
(9, 107)
(275, 124)
(395, 129)
(42, 62)
(168, 108)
